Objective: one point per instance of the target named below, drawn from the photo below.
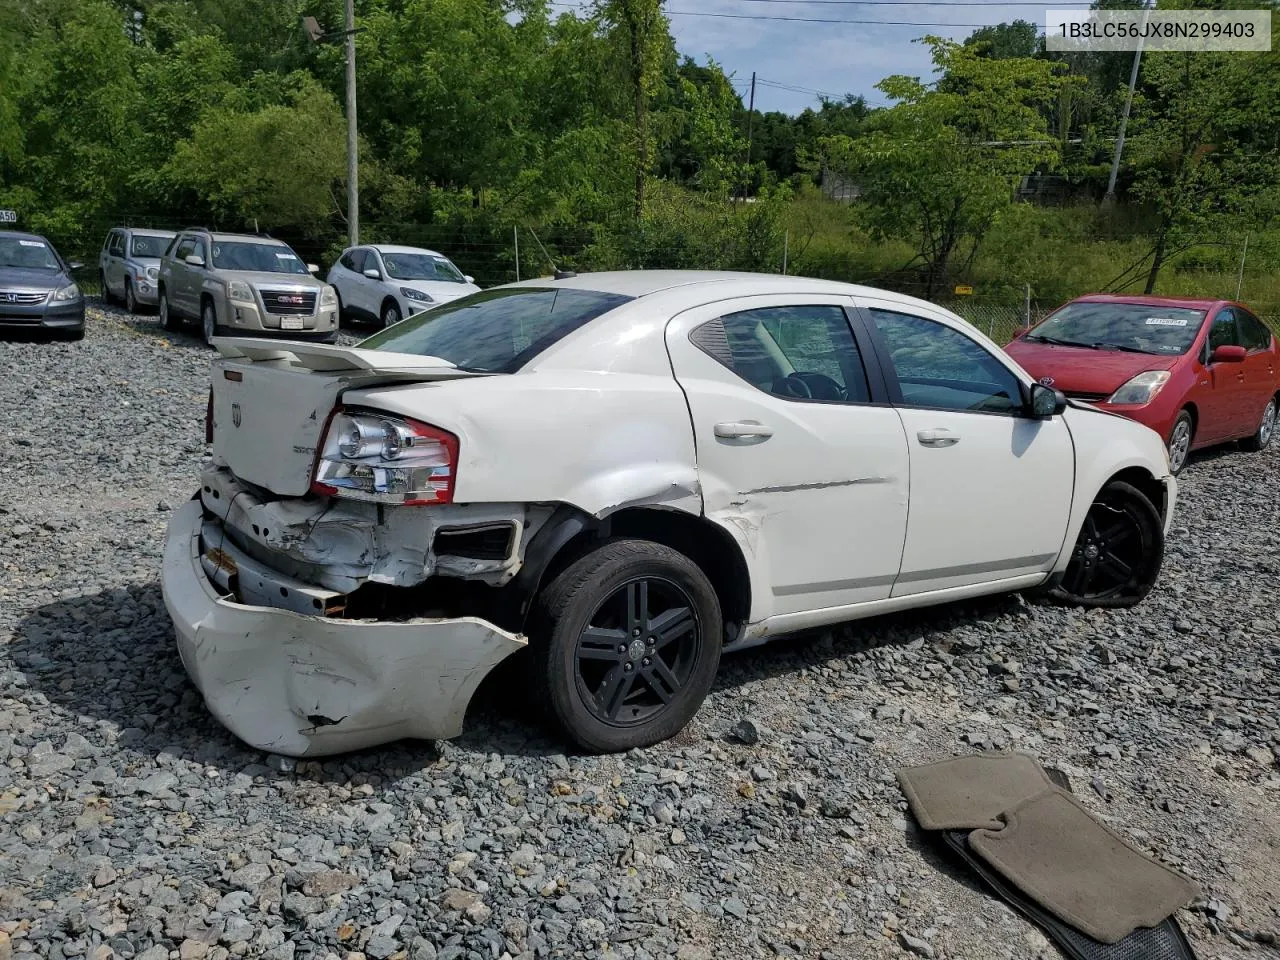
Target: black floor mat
(1163, 942)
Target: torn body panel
(344, 544)
(314, 685)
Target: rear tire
(1118, 554)
(627, 643)
(1261, 438)
(1179, 443)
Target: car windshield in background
(256, 258)
(148, 246)
(1138, 327)
(497, 331)
(421, 266)
(27, 254)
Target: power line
(922, 3)
(776, 17)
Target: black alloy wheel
(1118, 554)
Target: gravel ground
(131, 824)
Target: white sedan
(623, 476)
(383, 284)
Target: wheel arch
(570, 533)
(1147, 483)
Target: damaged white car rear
(627, 474)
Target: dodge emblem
(235, 414)
(1047, 381)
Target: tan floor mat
(1052, 850)
(971, 792)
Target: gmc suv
(244, 284)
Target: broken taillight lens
(385, 459)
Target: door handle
(937, 438)
(743, 430)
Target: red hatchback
(1198, 372)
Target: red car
(1198, 372)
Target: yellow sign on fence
(964, 290)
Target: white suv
(624, 475)
(384, 284)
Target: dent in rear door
(814, 491)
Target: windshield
(1142, 328)
(421, 266)
(27, 254)
(256, 257)
(497, 331)
(148, 246)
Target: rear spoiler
(330, 358)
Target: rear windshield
(1134, 327)
(495, 331)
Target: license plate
(290, 323)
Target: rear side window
(1253, 333)
(798, 352)
(496, 331)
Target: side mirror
(373, 273)
(1045, 402)
(469, 279)
(76, 265)
(313, 268)
(1228, 353)
(195, 260)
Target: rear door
(796, 449)
(991, 488)
(114, 269)
(1224, 401)
(1259, 366)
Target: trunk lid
(272, 400)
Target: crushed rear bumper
(306, 685)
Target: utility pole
(353, 159)
(751, 112)
(1110, 196)
(1240, 276)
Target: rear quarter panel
(595, 440)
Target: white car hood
(439, 290)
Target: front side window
(353, 260)
(186, 247)
(797, 352)
(939, 367)
(1223, 333)
(1134, 327)
(497, 331)
(420, 266)
(116, 246)
(253, 257)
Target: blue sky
(835, 58)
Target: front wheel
(209, 322)
(168, 321)
(627, 641)
(1261, 437)
(1179, 445)
(130, 301)
(1118, 554)
(390, 314)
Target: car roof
(253, 237)
(145, 232)
(1195, 303)
(398, 248)
(643, 283)
(20, 235)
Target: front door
(990, 488)
(1223, 401)
(795, 457)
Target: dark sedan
(36, 289)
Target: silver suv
(244, 284)
(129, 266)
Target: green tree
(1018, 38)
(940, 166)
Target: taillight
(208, 419)
(385, 459)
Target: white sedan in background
(623, 474)
(383, 284)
